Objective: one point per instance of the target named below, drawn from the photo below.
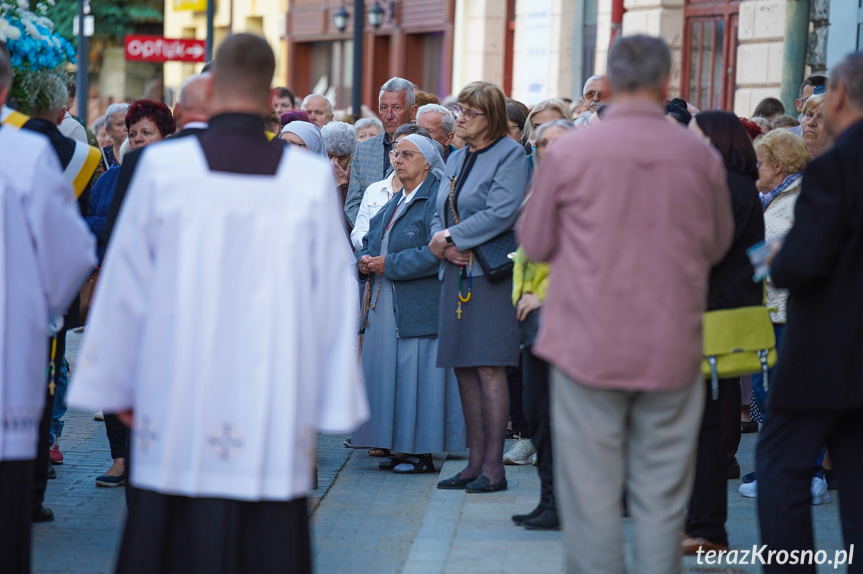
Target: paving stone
(367, 520)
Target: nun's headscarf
(431, 155)
(311, 136)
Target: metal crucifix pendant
(458, 310)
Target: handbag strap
(452, 184)
(456, 182)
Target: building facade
(729, 54)
(263, 17)
(531, 48)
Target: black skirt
(183, 535)
(487, 333)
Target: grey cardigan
(490, 197)
(409, 263)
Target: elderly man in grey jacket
(396, 106)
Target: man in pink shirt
(632, 213)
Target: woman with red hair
(147, 121)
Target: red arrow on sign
(159, 49)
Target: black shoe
(110, 480)
(748, 427)
(43, 514)
(455, 482)
(547, 520)
(748, 477)
(520, 518)
(52, 472)
(733, 470)
(483, 484)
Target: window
(331, 72)
(709, 56)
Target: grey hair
(410, 129)
(415, 130)
(55, 93)
(638, 62)
(447, 121)
(583, 121)
(99, 123)
(590, 79)
(339, 138)
(114, 109)
(364, 123)
(329, 103)
(849, 73)
(397, 84)
(124, 149)
(565, 124)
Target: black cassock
(167, 534)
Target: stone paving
(364, 519)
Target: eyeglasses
(467, 113)
(406, 155)
(594, 94)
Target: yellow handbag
(737, 342)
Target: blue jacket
(100, 202)
(409, 264)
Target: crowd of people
(436, 277)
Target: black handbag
(495, 255)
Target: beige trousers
(606, 440)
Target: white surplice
(224, 319)
(46, 252)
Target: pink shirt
(632, 213)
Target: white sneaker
(818, 489)
(535, 460)
(749, 489)
(520, 453)
(98, 416)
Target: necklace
(462, 298)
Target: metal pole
(210, 14)
(359, 27)
(794, 55)
(83, 57)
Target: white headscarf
(311, 136)
(431, 155)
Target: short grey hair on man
(565, 124)
(397, 84)
(114, 109)
(411, 129)
(364, 123)
(56, 94)
(447, 122)
(638, 62)
(340, 138)
(329, 103)
(99, 124)
(849, 73)
(590, 79)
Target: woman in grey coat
(484, 186)
(415, 407)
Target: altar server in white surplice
(224, 322)
(46, 252)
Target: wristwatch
(448, 239)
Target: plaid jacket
(367, 167)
